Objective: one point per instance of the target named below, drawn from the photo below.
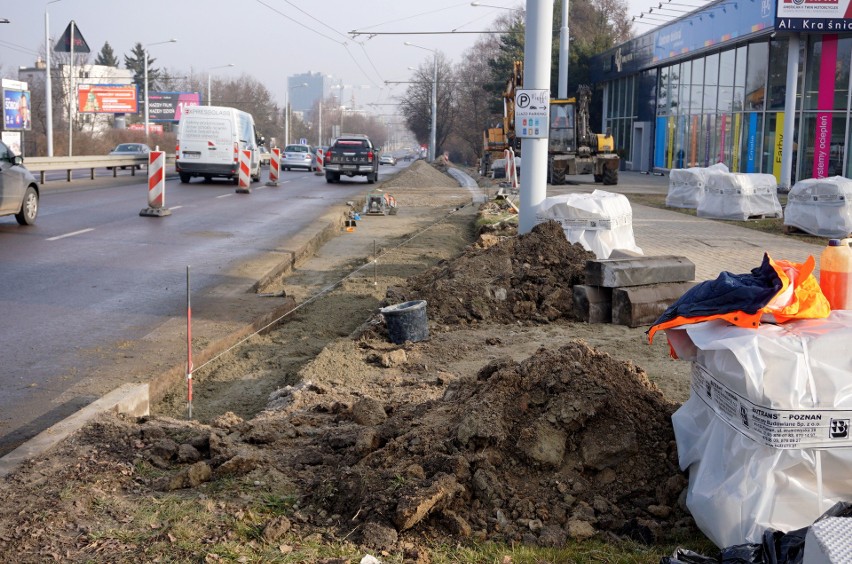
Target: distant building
(306, 89)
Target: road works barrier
(320, 157)
(274, 167)
(511, 171)
(156, 185)
(244, 179)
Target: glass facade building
(727, 83)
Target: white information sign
(532, 113)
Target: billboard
(12, 139)
(830, 16)
(107, 98)
(16, 110)
(168, 106)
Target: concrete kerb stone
(135, 399)
(132, 399)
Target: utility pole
(564, 41)
(537, 48)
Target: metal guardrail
(90, 162)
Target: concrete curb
(131, 399)
(136, 399)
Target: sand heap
(420, 175)
(509, 279)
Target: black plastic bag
(776, 548)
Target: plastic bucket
(406, 321)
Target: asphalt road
(92, 277)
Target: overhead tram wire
(416, 16)
(344, 36)
(18, 48)
(341, 43)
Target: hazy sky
(267, 39)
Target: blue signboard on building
(702, 29)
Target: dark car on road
(352, 155)
(19, 192)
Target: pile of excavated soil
(567, 443)
(421, 175)
(447, 439)
(503, 279)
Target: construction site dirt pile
(490, 429)
(503, 279)
(420, 175)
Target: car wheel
(29, 209)
(184, 178)
(371, 178)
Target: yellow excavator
(495, 140)
(572, 147)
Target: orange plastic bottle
(835, 273)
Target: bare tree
(416, 107)
(472, 95)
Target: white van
(209, 140)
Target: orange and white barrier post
(274, 167)
(320, 158)
(244, 186)
(156, 185)
(511, 170)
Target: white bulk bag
(601, 221)
(687, 185)
(821, 206)
(739, 196)
(765, 434)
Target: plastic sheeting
(765, 433)
(739, 196)
(687, 185)
(601, 221)
(802, 546)
(821, 206)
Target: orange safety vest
(800, 297)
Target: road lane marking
(175, 207)
(225, 196)
(71, 234)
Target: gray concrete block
(593, 304)
(642, 305)
(639, 271)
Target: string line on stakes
(334, 285)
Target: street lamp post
(48, 92)
(287, 110)
(146, 79)
(434, 100)
(209, 87)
